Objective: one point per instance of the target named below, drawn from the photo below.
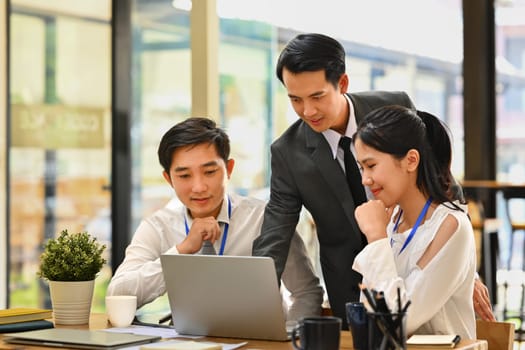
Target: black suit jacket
(304, 173)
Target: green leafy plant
(71, 257)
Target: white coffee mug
(121, 309)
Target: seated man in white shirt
(195, 157)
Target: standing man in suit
(308, 164)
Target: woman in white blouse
(420, 237)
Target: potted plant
(70, 262)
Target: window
(60, 136)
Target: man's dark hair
(192, 132)
(313, 52)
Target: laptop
(79, 338)
(225, 296)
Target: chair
(499, 335)
(477, 216)
(487, 247)
(511, 195)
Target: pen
(400, 314)
(165, 318)
(138, 322)
(368, 297)
(398, 299)
(406, 306)
(381, 305)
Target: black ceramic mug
(317, 333)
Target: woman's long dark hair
(396, 129)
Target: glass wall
(162, 95)
(396, 53)
(254, 106)
(162, 83)
(3, 160)
(60, 145)
(510, 103)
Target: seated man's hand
(202, 229)
(482, 305)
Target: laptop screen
(225, 296)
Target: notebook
(78, 338)
(23, 314)
(433, 340)
(25, 326)
(225, 296)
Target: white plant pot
(71, 301)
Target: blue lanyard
(226, 227)
(416, 225)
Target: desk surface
(491, 184)
(99, 321)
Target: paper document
(145, 330)
(167, 345)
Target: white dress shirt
(333, 138)
(441, 293)
(140, 273)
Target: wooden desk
(480, 189)
(99, 321)
(484, 190)
(490, 184)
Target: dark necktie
(353, 175)
(207, 248)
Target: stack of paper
(191, 345)
(183, 345)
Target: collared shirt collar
(223, 214)
(333, 136)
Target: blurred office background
(89, 87)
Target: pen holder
(387, 331)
